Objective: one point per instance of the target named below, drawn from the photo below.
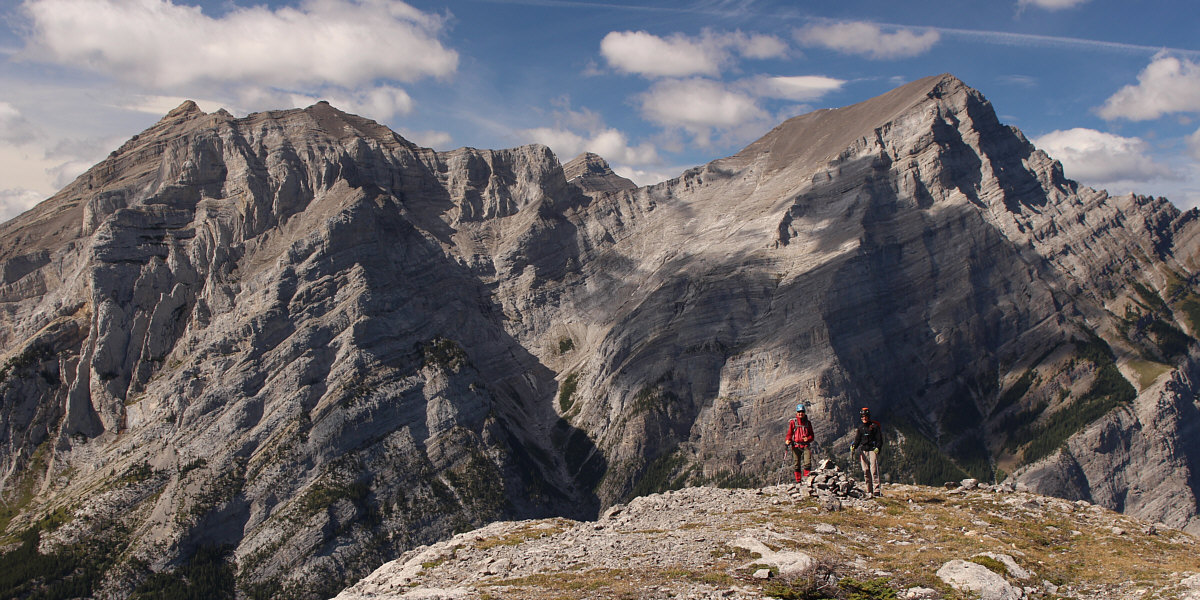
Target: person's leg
(874, 459)
(864, 463)
(806, 460)
(799, 461)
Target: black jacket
(867, 437)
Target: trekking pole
(783, 468)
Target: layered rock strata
(301, 339)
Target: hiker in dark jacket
(799, 437)
(867, 442)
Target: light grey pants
(869, 461)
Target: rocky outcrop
(762, 543)
(301, 340)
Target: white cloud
(1101, 159)
(1050, 4)
(758, 46)
(646, 54)
(1167, 85)
(16, 201)
(801, 88)
(644, 177)
(867, 39)
(381, 103)
(162, 45)
(610, 144)
(1193, 142)
(649, 55)
(699, 106)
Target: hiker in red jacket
(799, 437)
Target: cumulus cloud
(649, 55)
(161, 45)
(867, 39)
(379, 103)
(1050, 4)
(699, 106)
(1099, 159)
(609, 143)
(16, 201)
(646, 54)
(1167, 85)
(801, 88)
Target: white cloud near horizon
(867, 39)
(1050, 4)
(648, 55)
(162, 45)
(699, 106)
(1193, 142)
(609, 143)
(1099, 159)
(1167, 85)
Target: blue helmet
(800, 407)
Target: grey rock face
(592, 173)
(302, 337)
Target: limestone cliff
(297, 338)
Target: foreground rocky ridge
(914, 542)
(299, 345)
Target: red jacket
(800, 432)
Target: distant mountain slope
(300, 340)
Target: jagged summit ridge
(300, 336)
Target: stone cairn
(830, 485)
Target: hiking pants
(869, 461)
(803, 458)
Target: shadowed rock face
(301, 337)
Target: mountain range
(300, 343)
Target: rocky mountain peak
(593, 174)
(186, 109)
(809, 140)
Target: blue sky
(1109, 87)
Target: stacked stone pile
(830, 485)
